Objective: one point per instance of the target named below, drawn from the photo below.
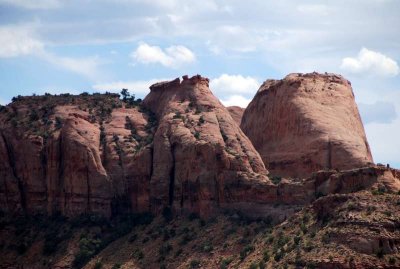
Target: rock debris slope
(305, 123)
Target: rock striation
(201, 158)
(305, 123)
(179, 148)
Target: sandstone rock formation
(81, 154)
(201, 158)
(73, 155)
(179, 149)
(305, 123)
(236, 113)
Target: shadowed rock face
(201, 157)
(236, 113)
(305, 123)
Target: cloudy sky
(73, 46)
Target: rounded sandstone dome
(305, 123)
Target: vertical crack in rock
(329, 155)
(43, 164)
(88, 206)
(172, 177)
(61, 175)
(6, 194)
(217, 190)
(11, 160)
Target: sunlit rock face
(305, 123)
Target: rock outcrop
(73, 155)
(236, 113)
(179, 148)
(305, 123)
(202, 159)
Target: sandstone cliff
(73, 155)
(201, 158)
(305, 123)
(180, 148)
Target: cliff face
(199, 152)
(180, 148)
(305, 123)
(73, 155)
(179, 151)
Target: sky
(73, 46)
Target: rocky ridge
(179, 148)
(180, 153)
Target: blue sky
(73, 46)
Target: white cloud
(314, 9)
(21, 40)
(33, 4)
(372, 62)
(234, 84)
(173, 56)
(18, 40)
(236, 100)
(139, 87)
(87, 67)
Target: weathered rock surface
(81, 154)
(201, 158)
(305, 123)
(236, 113)
(179, 148)
(73, 155)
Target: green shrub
(58, 123)
(201, 120)
(178, 115)
(98, 265)
(87, 249)
(33, 116)
(116, 266)
(138, 254)
(178, 253)
(266, 256)
(225, 262)
(207, 247)
(165, 249)
(194, 264)
(276, 180)
(246, 251)
(392, 260)
(278, 255)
